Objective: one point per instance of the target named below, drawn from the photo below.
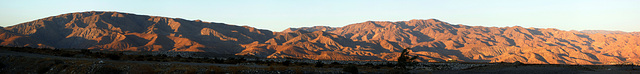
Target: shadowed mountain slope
(320, 45)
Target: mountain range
(430, 39)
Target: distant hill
(435, 39)
(430, 39)
(130, 32)
(601, 32)
(311, 29)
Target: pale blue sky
(623, 15)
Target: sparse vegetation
(518, 63)
(2, 65)
(319, 64)
(351, 69)
(55, 65)
(405, 60)
(108, 69)
(117, 55)
(286, 63)
(165, 63)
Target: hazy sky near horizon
(277, 15)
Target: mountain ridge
(430, 39)
(470, 42)
(151, 33)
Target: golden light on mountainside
(430, 39)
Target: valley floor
(12, 62)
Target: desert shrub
(398, 71)
(271, 68)
(58, 61)
(275, 68)
(376, 67)
(242, 59)
(335, 63)
(233, 61)
(143, 69)
(218, 60)
(63, 66)
(302, 63)
(43, 70)
(85, 51)
(2, 65)
(54, 50)
(518, 63)
(404, 59)
(389, 64)
(113, 57)
(319, 64)
(351, 69)
(66, 54)
(182, 69)
(216, 70)
(368, 64)
(140, 57)
(286, 63)
(236, 68)
(163, 55)
(281, 68)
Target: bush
(178, 56)
(389, 64)
(43, 70)
(518, 63)
(218, 60)
(85, 51)
(2, 65)
(302, 63)
(66, 55)
(351, 69)
(286, 63)
(405, 60)
(376, 67)
(108, 70)
(369, 64)
(335, 63)
(319, 64)
(113, 57)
